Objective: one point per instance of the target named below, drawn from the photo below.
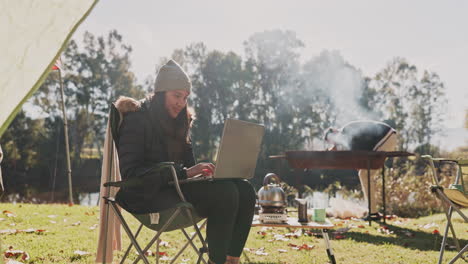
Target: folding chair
(453, 198)
(183, 215)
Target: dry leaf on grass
(301, 247)
(81, 253)
(165, 258)
(279, 237)
(9, 213)
(427, 226)
(8, 231)
(163, 243)
(11, 253)
(261, 252)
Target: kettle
(271, 194)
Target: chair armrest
(159, 166)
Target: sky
(432, 35)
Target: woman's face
(175, 101)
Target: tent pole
(67, 146)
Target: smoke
(330, 75)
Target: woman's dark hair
(183, 119)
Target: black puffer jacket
(142, 144)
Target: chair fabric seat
(181, 220)
(457, 197)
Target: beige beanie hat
(172, 77)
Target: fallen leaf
(8, 231)
(76, 223)
(279, 237)
(435, 232)
(427, 226)
(93, 226)
(9, 213)
(52, 222)
(282, 250)
(165, 258)
(261, 252)
(52, 216)
(81, 253)
(164, 244)
(340, 237)
(16, 253)
(306, 247)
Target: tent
(32, 35)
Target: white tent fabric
(32, 35)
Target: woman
(155, 130)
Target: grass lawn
(63, 234)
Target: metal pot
(271, 194)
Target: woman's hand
(202, 168)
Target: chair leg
(460, 254)
(130, 246)
(157, 250)
(130, 235)
(183, 248)
(204, 248)
(444, 239)
(164, 227)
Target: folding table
(293, 223)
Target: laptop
(237, 153)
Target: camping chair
(178, 218)
(453, 198)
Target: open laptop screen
(239, 149)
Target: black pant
(229, 207)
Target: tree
(393, 86)
(416, 106)
(427, 108)
(97, 72)
(272, 59)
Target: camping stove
(273, 215)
